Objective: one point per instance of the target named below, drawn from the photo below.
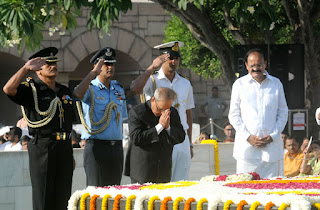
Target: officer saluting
(103, 106)
(47, 108)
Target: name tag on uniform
(100, 98)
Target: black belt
(105, 142)
(56, 136)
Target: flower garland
(138, 204)
(188, 203)
(269, 206)
(151, 202)
(128, 202)
(317, 205)
(216, 154)
(200, 202)
(74, 199)
(93, 202)
(241, 204)
(164, 203)
(83, 201)
(283, 206)
(276, 184)
(227, 204)
(116, 204)
(254, 205)
(169, 185)
(176, 203)
(104, 203)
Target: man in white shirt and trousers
(259, 113)
(167, 76)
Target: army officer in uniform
(47, 108)
(103, 108)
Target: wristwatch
(191, 145)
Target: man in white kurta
(258, 112)
(168, 77)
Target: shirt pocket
(100, 100)
(271, 101)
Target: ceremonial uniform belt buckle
(61, 136)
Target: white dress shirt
(8, 146)
(261, 110)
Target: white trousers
(181, 159)
(264, 169)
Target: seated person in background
(293, 158)
(24, 142)
(311, 164)
(203, 136)
(75, 139)
(13, 143)
(305, 142)
(229, 132)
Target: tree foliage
(21, 21)
(194, 55)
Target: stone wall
(15, 184)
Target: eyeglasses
(158, 110)
(259, 66)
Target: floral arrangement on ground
(300, 193)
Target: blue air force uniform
(103, 153)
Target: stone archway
(133, 55)
(119, 39)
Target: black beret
(107, 53)
(47, 53)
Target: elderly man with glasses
(155, 128)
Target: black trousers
(103, 162)
(51, 169)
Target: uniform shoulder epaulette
(183, 76)
(27, 82)
(117, 83)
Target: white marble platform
(15, 184)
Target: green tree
(251, 22)
(21, 21)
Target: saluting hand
(35, 64)
(98, 66)
(157, 63)
(165, 119)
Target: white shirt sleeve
(317, 113)
(148, 89)
(190, 103)
(235, 112)
(282, 114)
(159, 128)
